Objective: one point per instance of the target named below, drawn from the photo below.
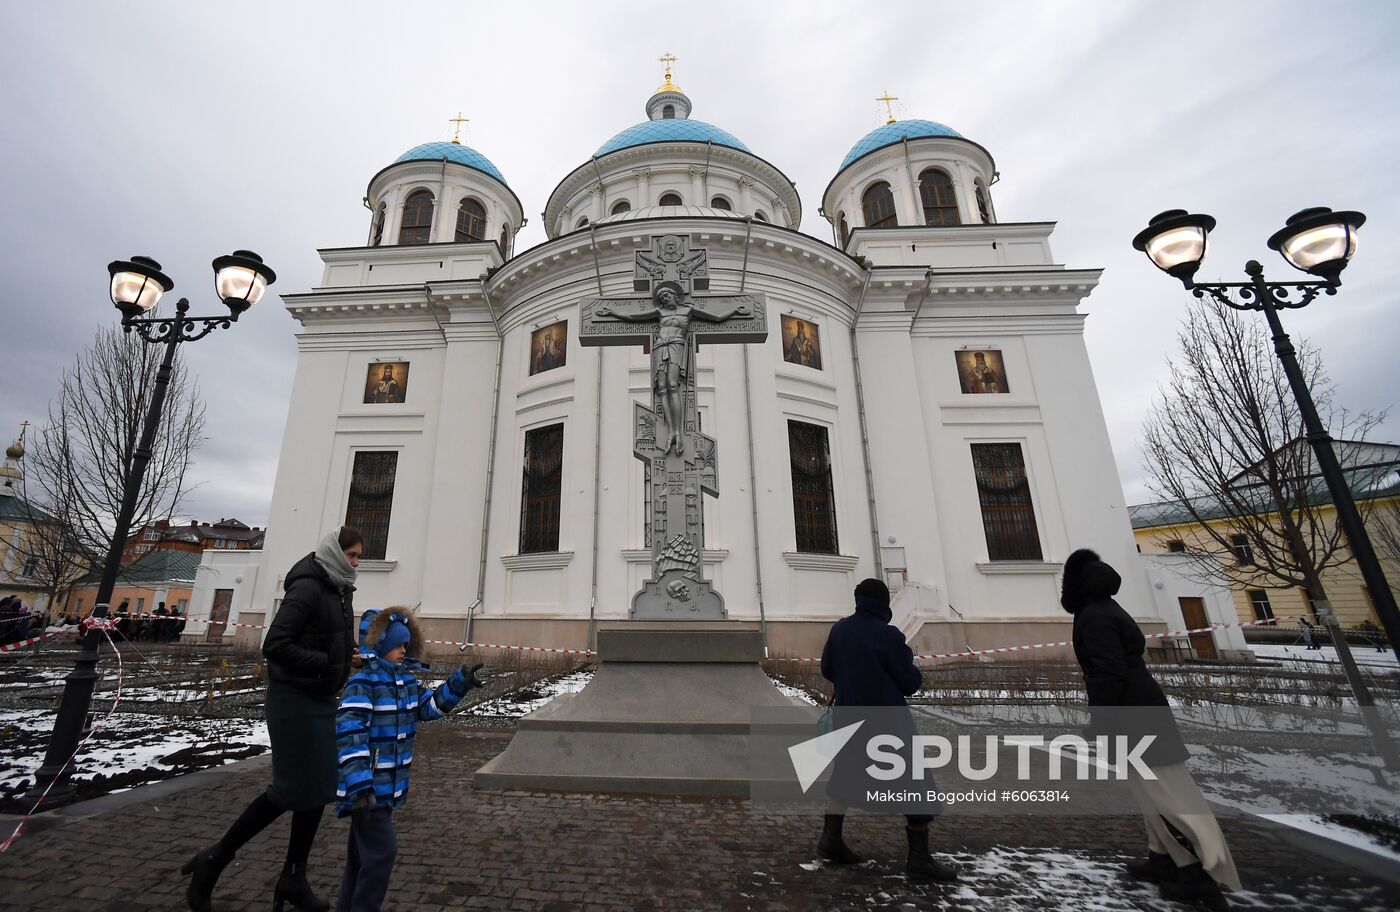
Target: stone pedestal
(667, 713)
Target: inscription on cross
(684, 461)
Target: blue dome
(462, 155)
(894, 132)
(671, 129)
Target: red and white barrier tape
(105, 625)
(22, 643)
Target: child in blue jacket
(380, 709)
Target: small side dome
(891, 133)
(454, 152)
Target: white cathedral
(923, 409)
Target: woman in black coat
(308, 650)
(1126, 700)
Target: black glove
(470, 675)
(363, 801)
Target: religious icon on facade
(982, 371)
(801, 342)
(386, 382)
(547, 347)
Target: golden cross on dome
(889, 101)
(457, 129)
(667, 58)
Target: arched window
(505, 240)
(668, 112)
(878, 206)
(471, 221)
(843, 231)
(720, 202)
(582, 222)
(936, 195)
(620, 207)
(758, 214)
(984, 208)
(377, 236)
(417, 224)
(670, 199)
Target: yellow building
(1160, 527)
(32, 563)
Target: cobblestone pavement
(467, 849)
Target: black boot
(923, 867)
(1155, 868)
(1193, 885)
(204, 868)
(831, 846)
(293, 888)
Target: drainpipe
(709, 147)
(597, 449)
(864, 431)
(602, 198)
(913, 184)
(753, 457)
(441, 208)
(490, 462)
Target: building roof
(14, 508)
(1365, 482)
(154, 567)
(455, 152)
(673, 129)
(891, 133)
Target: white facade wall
(1172, 577)
(236, 570)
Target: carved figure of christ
(670, 351)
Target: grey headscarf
(334, 561)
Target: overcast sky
(185, 130)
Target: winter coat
(312, 636)
(1109, 646)
(379, 714)
(868, 660)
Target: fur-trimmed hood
(1087, 579)
(374, 622)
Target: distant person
(123, 618)
(160, 623)
(379, 712)
(1109, 646)
(308, 651)
(870, 665)
(14, 620)
(1309, 636)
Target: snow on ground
(528, 699)
(128, 743)
(1364, 655)
(796, 693)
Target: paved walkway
(467, 849)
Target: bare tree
(1225, 441)
(78, 463)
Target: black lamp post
(137, 287)
(1319, 242)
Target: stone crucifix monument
(668, 710)
(684, 462)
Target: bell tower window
(378, 235)
(417, 223)
(668, 112)
(877, 205)
(620, 207)
(936, 194)
(471, 221)
(984, 208)
(670, 199)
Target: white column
(697, 186)
(643, 188)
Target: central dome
(670, 130)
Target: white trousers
(1174, 798)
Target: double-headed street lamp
(1319, 242)
(137, 286)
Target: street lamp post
(1319, 242)
(136, 288)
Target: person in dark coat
(870, 665)
(1125, 700)
(124, 619)
(308, 650)
(159, 625)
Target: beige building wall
(1345, 588)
